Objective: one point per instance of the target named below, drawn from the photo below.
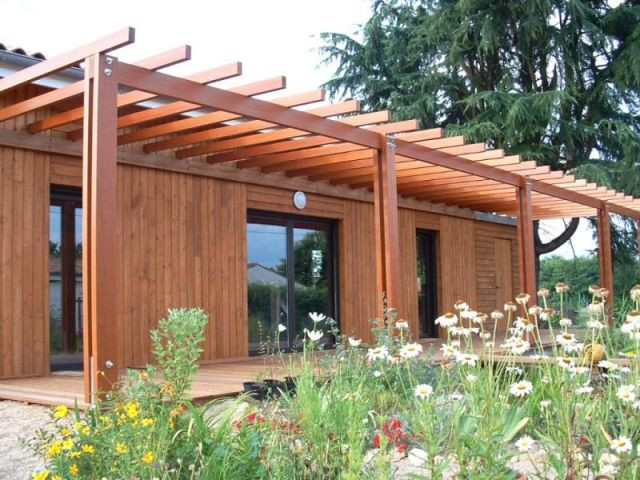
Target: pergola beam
(174, 87)
(99, 218)
(526, 247)
(53, 65)
(57, 95)
(206, 120)
(386, 224)
(605, 260)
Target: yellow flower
(78, 425)
(132, 409)
(148, 457)
(60, 411)
(147, 422)
(75, 454)
(41, 475)
(88, 448)
(54, 449)
(121, 448)
(74, 470)
(86, 430)
(67, 444)
(66, 432)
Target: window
(427, 288)
(65, 278)
(291, 272)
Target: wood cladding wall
(182, 243)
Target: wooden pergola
(134, 111)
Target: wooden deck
(212, 381)
(219, 379)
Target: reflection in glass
(55, 279)
(311, 273)
(267, 279)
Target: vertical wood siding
(182, 243)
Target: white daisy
(314, 335)
(523, 298)
(584, 389)
(317, 317)
(468, 314)
(402, 324)
(497, 315)
(448, 350)
(566, 339)
(461, 305)
(354, 342)
(423, 391)
(447, 320)
(565, 322)
(516, 370)
(281, 328)
(378, 353)
(471, 378)
(377, 373)
(545, 404)
(621, 445)
(607, 365)
(467, 359)
(627, 393)
(595, 325)
(573, 347)
(519, 347)
(521, 389)
(525, 444)
(410, 350)
(566, 362)
(485, 335)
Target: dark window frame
(426, 322)
(291, 221)
(68, 199)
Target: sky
(270, 38)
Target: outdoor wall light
(300, 200)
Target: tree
(555, 81)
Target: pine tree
(556, 81)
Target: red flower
(376, 441)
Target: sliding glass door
(427, 289)
(290, 273)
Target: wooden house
(125, 191)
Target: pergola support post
(386, 223)
(526, 246)
(99, 271)
(604, 253)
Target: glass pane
(267, 278)
(422, 286)
(312, 276)
(55, 279)
(78, 279)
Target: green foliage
(581, 272)
(176, 346)
(555, 81)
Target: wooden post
(386, 223)
(526, 246)
(604, 253)
(99, 272)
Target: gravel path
(19, 421)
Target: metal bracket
(391, 142)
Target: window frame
(290, 222)
(426, 322)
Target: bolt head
(108, 364)
(109, 60)
(108, 72)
